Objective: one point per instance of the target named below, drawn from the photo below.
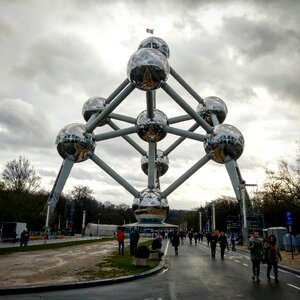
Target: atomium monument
(148, 69)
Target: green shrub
(142, 252)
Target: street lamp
(98, 224)
(83, 222)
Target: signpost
(289, 223)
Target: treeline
(22, 200)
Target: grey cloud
(23, 125)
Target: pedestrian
(134, 237)
(208, 237)
(22, 238)
(175, 242)
(223, 243)
(196, 238)
(26, 237)
(272, 256)
(191, 236)
(46, 236)
(232, 241)
(201, 237)
(181, 234)
(121, 238)
(213, 244)
(256, 251)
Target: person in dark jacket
(256, 250)
(272, 256)
(175, 242)
(134, 237)
(213, 244)
(223, 243)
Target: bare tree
(19, 176)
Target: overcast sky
(57, 54)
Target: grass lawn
(118, 265)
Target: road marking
(293, 286)
(283, 271)
(237, 261)
(245, 265)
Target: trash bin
(287, 242)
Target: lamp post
(213, 217)
(98, 224)
(83, 222)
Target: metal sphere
(147, 69)
(155, 43)
(212, 105)
(94, 105)
(72, 141)
(152, 129)
(161, 163)
(225, 140)
(150, 207)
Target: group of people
(134, 237)
(266, 251)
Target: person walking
(191, 236)
(175, 242)
(256, 251)
(208, 237)
(22, 238)
(232, 241)
(213, 244)
(223, 243)
(196, 238)
(134, 237)
(272, 256)
(121, 238)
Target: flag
(150, 30)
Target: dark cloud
(23, 125)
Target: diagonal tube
(117, 133)
(186, 107)
(129, 140)
(185, 85)
(180, 140)
(117, 91)
(185, 133)
(105, 113)
(122, 118)
(186, 175)
(179, 119)
(106, 168)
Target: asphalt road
(191, 275)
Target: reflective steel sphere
(73, 141)
(213, 105)
(161, 163)
(94, 105)
(147, 69)
(149, 207)
(155, 43)
(225, 140)
(152, 129)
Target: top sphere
(94, 105)
(212, 105)
(147, 69)
(155, 43)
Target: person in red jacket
(121, 237)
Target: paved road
(191, 275)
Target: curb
(80, 285)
